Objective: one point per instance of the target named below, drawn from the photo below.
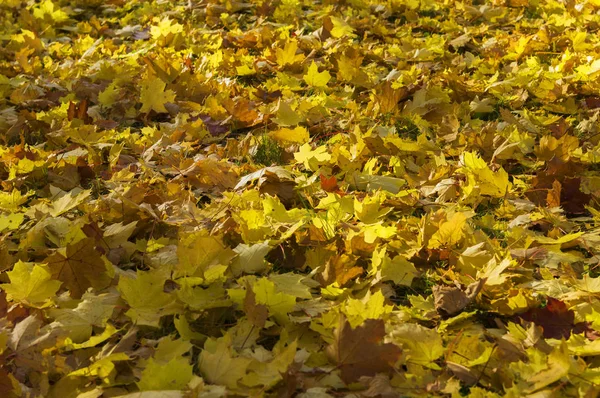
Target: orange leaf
(329, 184)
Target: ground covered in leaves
(286, 198)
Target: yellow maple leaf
(146, 297)
(287, 55)
(311, 158)
(370, 210)
(398, 270)
(218, 365)
(47, 10)
(280, 304)
(12, 201)
(340, 28)
(348, 68)
(174, 375)
(165, 31)
(372, 306)
(109, 96)
(488, 182)
(450, 232)
(30, 283)
(315, 78)
(154, 97)
(286, 116)
(299, 135)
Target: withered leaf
(452, 300)
(361, 351)
(340, 268)
(257, 313)
(80, 266)
(556, 320)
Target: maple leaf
(452, 300)
(360, 352)
(280, 304)
(421, 345)
(251, 258)
(30, 283)
(337, 27)
(198, 298)
(372, 306)
(269, 373)
(153, 95)
(92, 311)
(340, 269)
(198, 252)
(146, 297)
(287, 55)
(450, 232)
(556, 320)
(299, 135)
(257, 313)
(79, 266)
(329, 184)
(311, 158)
(398, 270)
(173, 375)
(315, 78)
(217, 364)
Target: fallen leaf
(556, 320)
(452, 300)
(79, 266)
(360, 351)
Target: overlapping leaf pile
(299, 198)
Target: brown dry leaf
(553, 198)
(379, 386)
(243, 111)
(80, 267)
(257, 313)
(388, 98)
(341, 269)
(462, 372)
(452, 300)
(360, 352)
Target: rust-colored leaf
(361, 352)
